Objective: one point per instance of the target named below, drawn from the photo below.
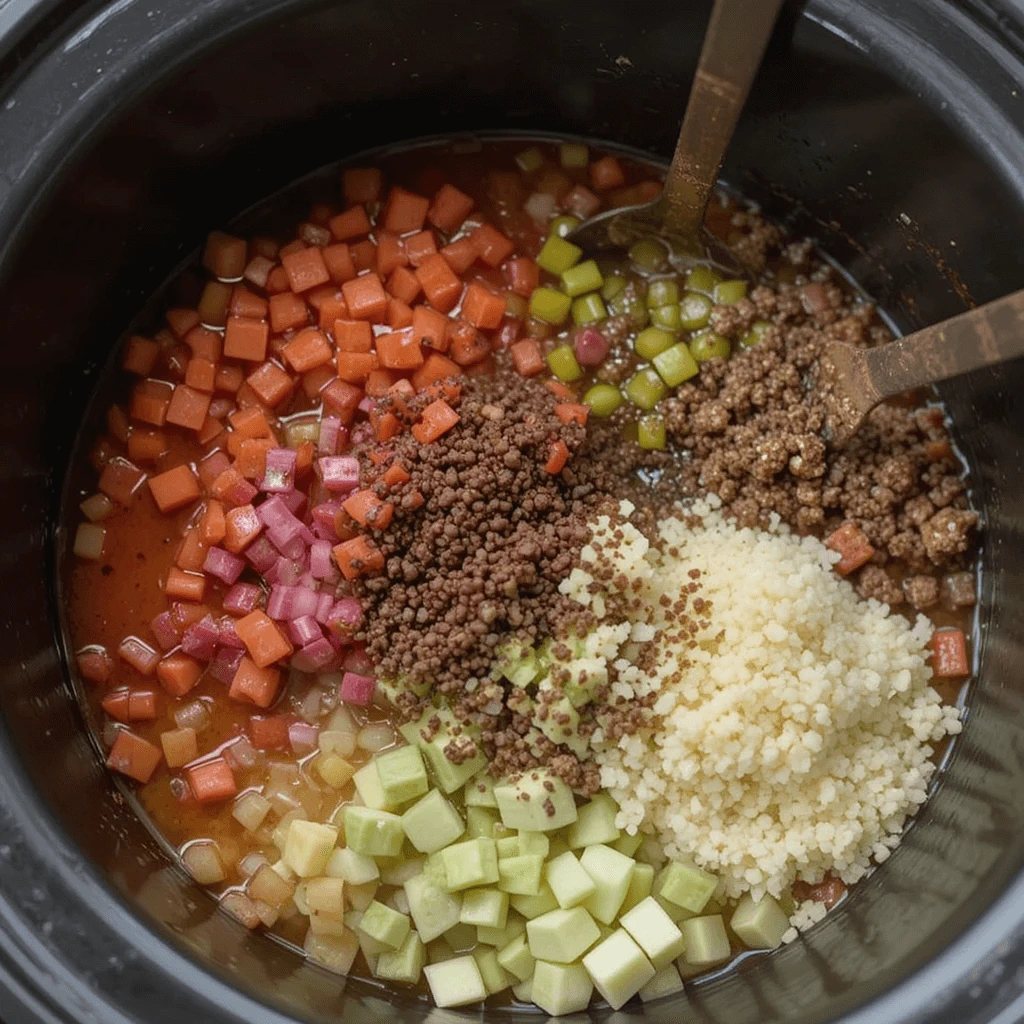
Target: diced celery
(588, 309)
(652, 341)
(432, 823)
(702, 279)
(729, 292)
(618, 968)
(628, 844)
(402, 774)
(474, 862)
(369, 788)
(404, 964)
(480, 821)
(485, 908)
(595, 823)
(611, 872)
(603, 399)
(757, 331)
(665, 983)
(535, 906)
(493, 974)
(650, 432)
(646, 388)
(573, 154)
(352, 867)
(628, 303)
(706, 940)
(562, 936)
(521, 875)
(557, 255)
(517, 959)
(373, 833)
(530, 160)
(501, 937)
(759, 925)
(308, 847)
(569, 882)
(686, 886)
(537, 802)
(668, 317)
(662, 292)
(640, 886)
(560, 989)
(562, 361)
(456, 982)
(564, 225)
(654, 931)
(385, 925)
(550, 306)
(582, 278)
(707, 345)
(614, 284)
(433, 909)
(649, 254)
(675, 365)
(694, 311)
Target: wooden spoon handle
(736, 38)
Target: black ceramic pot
(893, 130)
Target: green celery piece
(557, 255)
(563, 364)
(651, 433)
(582, 278)
(646, 388)
(588, 309)
(675, 365)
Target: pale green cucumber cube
(508, 846)
(561, 725)
(534, 906)
(394, 688)
(432, 823)
(618, 968)
(665, 983)
(398, 870)
(456, 982)
(536, 802)
(480, 821)
(687, 887)
(373, 833)
(461, 937)
(518, 663)
(371, 947)
(611, 872)
(569, 882)
(640, 886)
(402, 774)
(369, 788)
(595, 823)
(706, 940)
(494, 977)
(472, 863)
(534, 842)
(448, 775)
(479, 792)
(517, 959)
(485, 908)
(385, 925)
(523, 991)
(433, 909)
(352, 867)
(501, 937)
(559, 989)
(759, 925)
(654, 932)
(627, 844)
(521, 875)
(562, 936)
(405, 964)
(308, 847)
(434, 869)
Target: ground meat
(948, 533)
(958, 590)
(875, 582)
(921, 591)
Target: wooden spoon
(855, 380)
(737, 35)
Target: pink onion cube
(138, 654)
(321, 564)
(330, 432)
(304, 630)
(339, 473)
(224, 565)
(346, 616)
(228, 635)
(357, 689)
(165, 631)
(294, 501)
(323, 520)
(200, 640)
(303, 737)
(224, 667)
(242, 598)
(261, 554)
(280, 471)
(314, 657)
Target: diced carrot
(269, 732)
(188, 407)
(439, 283)
(229, 378)
(140, 355)
(146, 445)
(449, 209)
(295, 245)
(212, 781)
(435, 368)
(358, 556)
(263, 639)
(211, 467)
(527, 357)
(213, 303)
(121, 480)
(399, 351)
(396, 475)
(355, 367)
(225, 484)
(607, 173)
(330, 307)
(116, 704)
(523, 276)
(307, 350)
(210, 430)
(558, 458)
(466, 344)
(364, 255)
(277, 281)
(460, 254)
(435, 420)
(224, 255)
(241, 526)
(247, 398)
(338, 260)
(211, 526)
(181, 321)
(247, 303)
(150, 399)
(852, 543)
(287, 311)
(95, 665)
(447, 388)
(366, 298)
(188, 586)
(255, 685)
(368, 510)
(419, 246)
(270, 383)
(316, 380)
(399, 315)
(251, 460)
(133, 756)
(246, 339)
(648, 190)
(343, 398)
(250, 423)
(201, 375)
(404, 211)
(205, 344)
(949, 654)
(353, 223)
(353, 335)
(572, 412)
(191, 554)
(379, 382)
(379, 456)
(174, 489)
(482, 307)
(390, 253)
(361, 184)
(561, 391)
(141, 706)
(402, 284)
(304, 452)
(491, 245)
(430, 328)
(178, 673)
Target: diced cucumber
(533, 906)
(706, 940)
(385, 925)
(433, 909)
(472, 863)
(521, 875)
(518, 663)
(557, 848)
(534, 842)
(686, 886)
(517, 959)
(536, 802)
(523, 991)
(352, 867)
(456, 982)
(618, 968)
(654, 932)
(398, 870)
(369, 788)
(479, 792)
(759, 925)
(448, 775)
(404, 964)
(402, 775)
(501, 937)
(569, 882)
(485, 908)
(560, 989)
(665, 983)
(508, 846)
(562, 936)
(611, 872)
(308, 847)
(560, 724)
(627, 844)
(640, 886)
(595, 823)
(493, 974)
(373, 833)
(480, 821)
(432, 823)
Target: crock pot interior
(833, 143)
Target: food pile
(476, 614)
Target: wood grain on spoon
(855, 380)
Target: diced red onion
(274, 514)
(358, 661)
(164, 630)
(346, 616)
(285, 571)
(303, 737)
(367, 404)
(302, 602)
(228, 635)
(193, 715)
(242, 598)
(591, 347)
(307, 581)
(324, 605)
(357, 689)
(224, 667)
(323, 520)
(243, 753)
(200, 640)
(337, 642)
(295, 502)
(541, 207)
(291, 547)
(280, 471)
(314, 657)
(138, 654)
(224, 565)
(321, 565)
(339, 473)
(304, 630)
(330, 433)
(261, 554)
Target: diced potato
(335, 952)
(369, 788)
(359, 897)
(562, 936)
(269, 887)
(618, 968)
(560, 989)
(654, 932)
(203, 862)
(334, 770)
(308, 847)
(611, 872)
(456, 982)
(180, 747)
(432, 823)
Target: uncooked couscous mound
(794, 722)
